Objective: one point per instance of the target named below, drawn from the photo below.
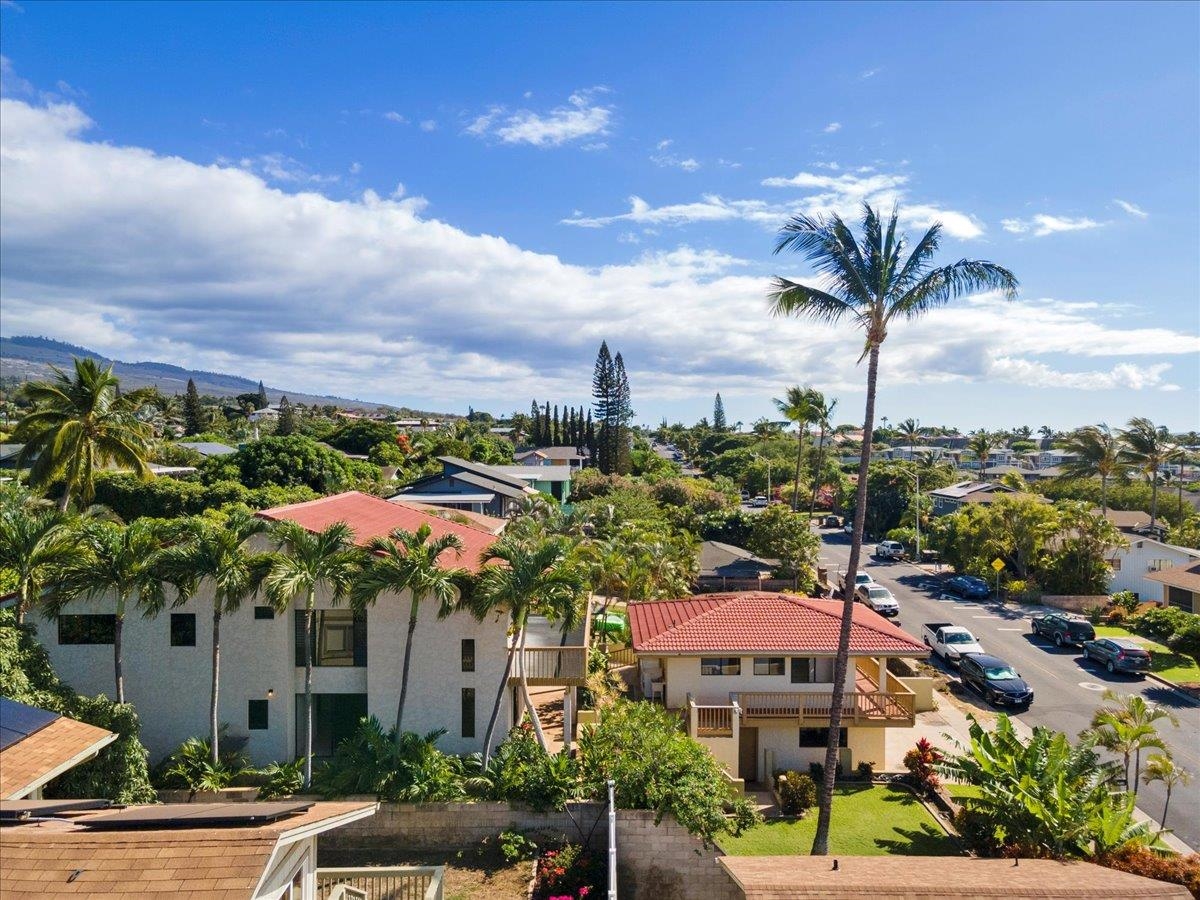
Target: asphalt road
(1066, 689)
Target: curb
(1187, 698)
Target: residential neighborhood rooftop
(36, 746)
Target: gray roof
(207, 448)
(556, 452)
(536, 473)
(482, 470)
(726, 560)
(965, 489)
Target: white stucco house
(456, 669)
(1138, 567)
(754, 673)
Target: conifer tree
(263, 402)
(604, 379)
(718, 421)
(287, 418)
(193, 411)
(624, 413)
(556, 438)
(535, 424)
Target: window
(804, 671)
(1115, 564)
(339, 638)
(257, 715)
(87, 629)
(768, 665)
(468, 655)
(817, 737)
(720, 665)
(264, 612)
(1157, 565)
(468, 712)
(183, 629)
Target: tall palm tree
(531, 575)
(1097, 453)
(911, 432)
(410, 561)
(982, 443)
(872, 282)
(824, 414)
(1160, 767)
(81, 423)
(1127, 727)
(798, 406)
(308, 562)
(1046, 432)
(35, 545)
(121, 561)
(1147, 448)
(221, 555)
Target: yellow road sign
(997, 564)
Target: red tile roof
(753, 621)
(374, 517)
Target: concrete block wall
(655, 862)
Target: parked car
(889, 550)
(860, 578)
(1119, 655)
(949, 641)
(1062, 629)
(831, 522)
(759, 501)
(994, 680)
(878, 598)
(969, 587)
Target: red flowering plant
(570, 873)
(921, 762)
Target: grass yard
(1164, 662)
(877, 820)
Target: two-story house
(949, 499)
(456, 668)
(753, 673)
(471, 486)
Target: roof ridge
(810, 603)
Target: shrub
(360, 437)
(522, 771)
(1126, 600)
(411, 770)
(1095, 613)
(571, 873)
(191, 767)
(1115, 616)
(286, 461)
(1183, 870)
(865, 771)
(282, 779)
(1187, 640)
(515, 846)
(1162, 622)
(816, 771)
(921, 761)
(797, 793)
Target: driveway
(1067, 689)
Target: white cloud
(670, 160)
(583, 116)
(1042, 225)
(395, 117)
(1133, 209)
(145, 256)
(832, 127)
(728, 163)
(284, 169)
(869, 73)
(355, 168)
(428, 125)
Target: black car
(1063, 630)
(1118, 655)
(994, 680)
(968, 587)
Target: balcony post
(883, 674)
(735, 721)
(693, 717)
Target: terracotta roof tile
(29, 763)
(374, 517)
(753, 621)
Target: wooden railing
(381, 883)
(552, 666)
(714, 721)
(621, 656)
(857, 706)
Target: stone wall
(1074, 602)
(654, 862)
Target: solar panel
(18, 721)
(195, 815)
(19, 810)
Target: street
(1066, 690)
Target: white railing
(381, 883)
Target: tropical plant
(217, 553)
(530, 575)
(521, 771)
(922, 762)
(871, 283)
(410, 561)
(799, 406)
(982, 443)
(80, 423)
(308, 562)
(1162, 768)
(1096, 453)
(797, 793)
(121, 561)
(281, 780)
(911, 431)
(824, 414)
(35, 544)
(1126, 726)
(1147, 448)
(195, 765)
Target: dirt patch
(472, 873)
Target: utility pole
(612, 842)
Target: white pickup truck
(950, 642)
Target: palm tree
(1097, 453)
(982, 443)
(79, 424)
(911, 432)
(873, 284)
(798, 406)
(121, 561)
(1160, 767)
(824, 415)
(220, 554)
(309, 562)
(1147, 448)
(1128, 728)
(410, 560)
(532, 575)
(35, 545)
(1046, 432)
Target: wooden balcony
(814, 708)
(552, 667)
(714, 721)
(381, 883)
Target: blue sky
(444, 205)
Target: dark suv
(968, 587)
(994, 680)
(1063, 630)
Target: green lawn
(1163, 661)
(874, 820)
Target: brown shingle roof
(786, 877)
(1185, 577)
(208, 863)
(31, 762)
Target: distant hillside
(26, 358)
